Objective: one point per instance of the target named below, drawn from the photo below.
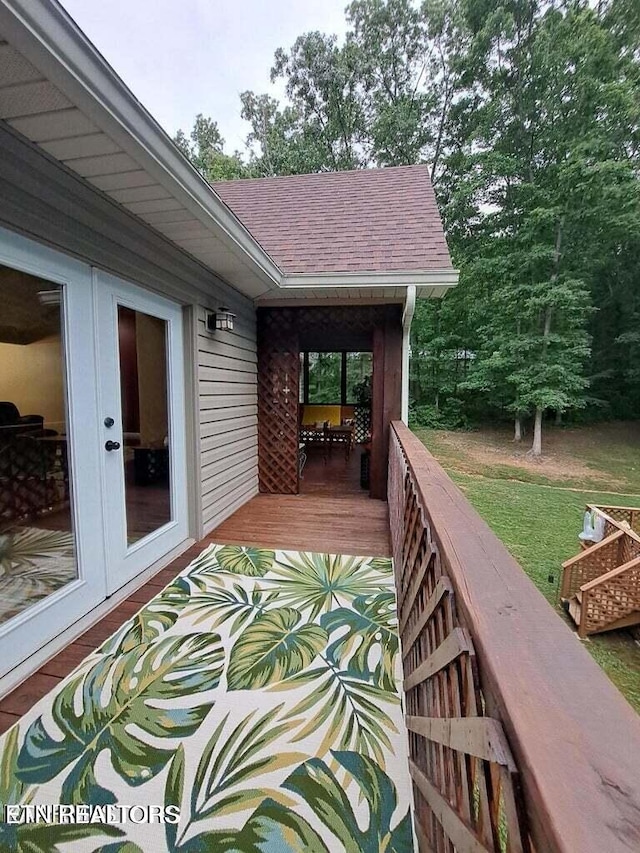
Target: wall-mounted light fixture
(222, 320)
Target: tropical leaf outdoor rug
(258, 693)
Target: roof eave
(422, 279)
(359, 287)
(47, 36)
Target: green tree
(409, 65)
(528, 112)
(559, 190)
(205, 148)
(321, 81)
(280, 142)
(384, 97)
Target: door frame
(124, 563)
(48, 617)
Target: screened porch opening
(334, 422)
(329, 384)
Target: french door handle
(111, 445)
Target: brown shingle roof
(369, 220)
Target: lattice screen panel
(591, 564)
(278, 388)
(624, 514)
(356, 318)
(26, 487)
(630, 549)
(615, 597)
(362, 417)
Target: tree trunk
(517, 433)
(536, 449)
(558, 417)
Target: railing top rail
(575, 739)
(605, 507)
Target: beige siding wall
(228, 403)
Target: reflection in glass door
(142, 345)
(37, 541)
(143, 426)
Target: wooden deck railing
(611, 600)
(517, 739)
(619, 514)
(592, 563)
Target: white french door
(142, 423)
(92, 440)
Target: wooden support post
(343, 379)
(377, 471)
(387, 395)
(305, 377)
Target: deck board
(331, 515)
(347, 526)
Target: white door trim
(125, 562)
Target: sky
(184, 57)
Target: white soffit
(58, 91)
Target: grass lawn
(538, 517)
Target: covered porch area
(314, 429)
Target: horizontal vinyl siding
(228, 404)
(236, 455)
(232, 433)
(210, 407)
(210, 416)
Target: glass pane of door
(37, 541)
(142, 350)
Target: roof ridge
(367, 170)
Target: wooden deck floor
(334, 516)
(334, 477)
(352, 525)
(331, 514)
